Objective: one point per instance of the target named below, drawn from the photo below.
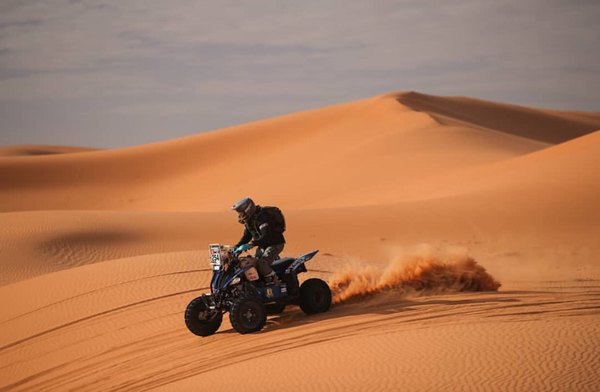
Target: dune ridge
(338, 141)
(37, 150)
(549, 126)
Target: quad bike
(237, 288)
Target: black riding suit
(258, 230)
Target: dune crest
(549, 126)
(404, 141)
(37, 150)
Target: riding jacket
(259, 229)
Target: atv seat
(280, 265)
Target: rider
(260, 230)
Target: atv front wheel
(315, 296)
(200, 320)
(248, 314)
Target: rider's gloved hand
(242, 248)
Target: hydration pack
(276, 219)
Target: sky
(122, 73)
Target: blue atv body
(237, 289)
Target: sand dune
(101, 250)
(389, 140)
(118, 326)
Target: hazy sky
(117, 73)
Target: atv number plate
(215, 256)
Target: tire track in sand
(163, 356)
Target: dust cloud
(434, 274)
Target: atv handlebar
(242, 248)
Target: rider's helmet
(245, 209)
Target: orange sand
(101, 250)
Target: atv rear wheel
(315, 296)
(248, 314)
(200, 320)
(275, 308)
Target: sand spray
(427, 271)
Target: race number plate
(215, 256)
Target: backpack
(276, 219)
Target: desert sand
(101, 250)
